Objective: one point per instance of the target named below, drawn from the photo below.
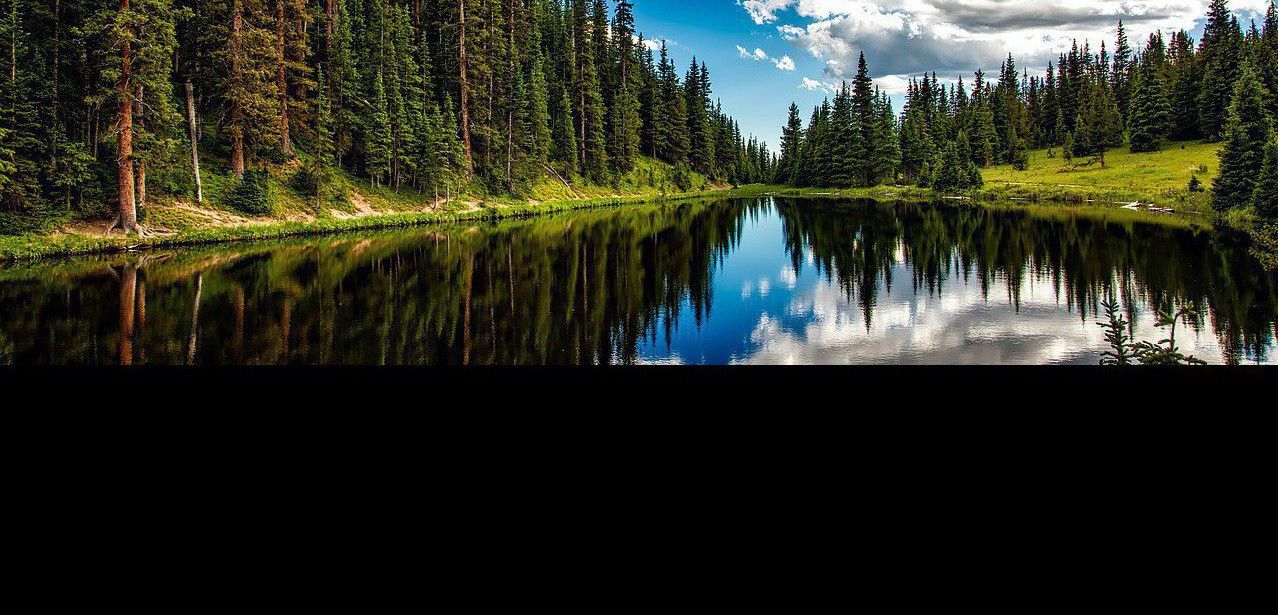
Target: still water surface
(771, 281)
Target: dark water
(741, 281)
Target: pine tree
(697, 104)
(845, 169)
(1247, 133)
(671, 116)
(1184, 87)
(379, 141)
(1265, 197)
(887, 150)
(325, 130)
(1221, 57)
(1150, 112)
(591, 138)
(241, 33)
(791, 141)
(137, 81)
(1121, 77)
(861, 147)
(624, 112)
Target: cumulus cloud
(812, 85)
(759, 55)
(764, 11)
(901, 37)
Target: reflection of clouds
(957, 327)
(673, 359)
(788, 277)
(765, 287)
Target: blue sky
(765, 54)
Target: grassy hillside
(1160, 177)
(354, 204)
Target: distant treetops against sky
(103, 102)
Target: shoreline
(29, 247)
(26, 247)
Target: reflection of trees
(585, 287)
(855, 244)
(581, 288)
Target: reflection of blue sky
(765, 312)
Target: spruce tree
(624, 113)
(1150, 114)
(1265, 197)
(861, 145)
(791, 141)
(1221, 58)
(844, 132)
(1247, 133)
(325, 130)
(241, 33)
(377, 147)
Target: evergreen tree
(1247, 133)
(624, 112)
(377, 148)
(1265, 198)
(325, 130)
(791, 141)
(1121, 77)
(861, 146)
(1150, 115)
(1220, 54)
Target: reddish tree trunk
(330, 15)
(128, 206)
(237, 113)
(281, 79)
(139, 186)
(461, 63)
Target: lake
(727, 281)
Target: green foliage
(1122, 351)
(1125, 351)
(251, 195)
(1265, 198)
(1247, 132)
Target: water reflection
(752, 280)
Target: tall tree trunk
(237, 112)
(195, 141)
(329, 15)
(57, 61)
(281, 79)
(139, 186)
(461, 74)
(124, 158)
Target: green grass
(41, 245)
(1160, 177)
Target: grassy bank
(358, 206)
(1081, 187)
(68, 244)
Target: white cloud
(812, 85)
(764, 11)
(901, 37)
(759, 55)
